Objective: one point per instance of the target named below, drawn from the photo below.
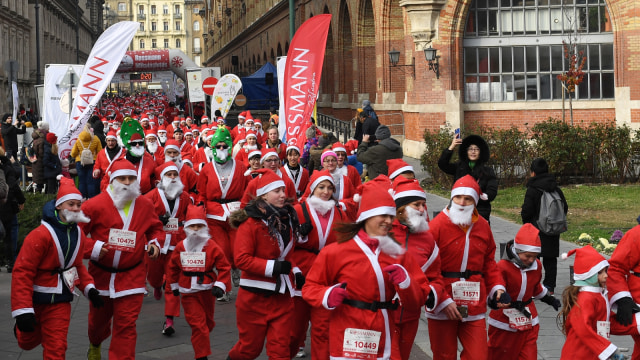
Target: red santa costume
(590, 320)
(624, 279)
(322, 220)
(197, 267)
(48, 267)
(280, 148)
(158, 154)
(188, 177)
(417, 240)
(125, 231)
(344, 189)
(243, 154)
(289, 186)
(171, 209)
(398, 167)
(262, 137)
(104, 160)
(513, 331)
(467, 256)
(299, 177)
(263, 251)
(144, 166)
(220, 187)
(241, 130)
(358, 279)
(347, 170)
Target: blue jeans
(86, 183)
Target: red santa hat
(588, 262)
(195, 215)
(144, 117)
(165, 168)
(266, 181)
(258, 122)
(162, 128)
(242, 115)
(251, 133)
(121, 167)
(204, 128)
(204, 118)
(293, 147)
(150, 133)
(267, 153)
(67, 191)
(467, 185)
(253, 153)
(186, 159)
(316, 178)
(172, 144)
(338, 147)
(375, 198)
(326, 153)
(406, 191)
(528, 239)
(188, 132)
(397, 167)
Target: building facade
(498, 59)
(194, 20)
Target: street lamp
(430, 54)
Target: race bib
(360, 344)
(517, 320)
(123, 240)
(70, 277)
(233, 206)
(466, 292)
(193, 261)
(172, 225)
(602, 328)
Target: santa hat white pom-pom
(356, 198)
(58, 177)
(564, 256)
(484, 196)
(390, 192)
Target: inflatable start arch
(157, 60)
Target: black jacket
(10, 137)
(369, 127)
(52, 165)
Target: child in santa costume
(254, 164)
(267, 232)
(122, 234)
(171, 202)
(358, 277)
(586, 315)
(471, 277)
(513, 331)
(298, 175)
(200, 272)
(318, 216)
(250, 145)
(46, 272)
(410, 228)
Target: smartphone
(457, 132)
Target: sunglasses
(137, 143)
(222, 147)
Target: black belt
(373, 306)
(519, 305)
(457, 274)
(315, 251)
(225, 201)
(199, 274)
(635, 273)
(114, 270)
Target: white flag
(225, 92)
(16, 100)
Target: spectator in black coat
(541, 180)
(473, 155)
(369, 127)
(52, 165)
(98, 130)
(10, 208)
(10, 132)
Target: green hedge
(30, 217)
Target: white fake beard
(247, 128)
(119, 140)
(321, 206)
(417, 221)
(196, 238)
(162, 137)
(123, 194)
(176, 159)
(137, 151)
(153, 147)
(343, 170)
(461, 215)
(389, 246)
(172, 187)
(74, 217)
(251, 147)
(209, 153)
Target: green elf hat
(221, 135)
(131, 130)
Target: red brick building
(498, 58)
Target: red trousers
(198, 311)
(123, 313)
(472, 335)
(402, 339)
(52, 325)
(224, 235)
(303, 312)
(520, 345)
(261, 317)
(156, 270)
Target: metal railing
(177, 16)
(141, 16)
(334, 125)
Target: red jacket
(625, 258)
(211, 192)
(159, 200)
(103, 161)
(303, 179)
(146, 176)
(214, 259)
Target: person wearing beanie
(298, 175)
(343, 187)
(171, 202)
(88, 144)
(162, 135)
(122, 234)
(358, 277)
(198, 273)
(47, 271)
(375, 157)
(312, 141)
(410, 228)
(586, 318)
(274, 119)
(318, 215)
(51, 163)
(541, 180)
(368, 109)
(399, 167)
(370, 125)
(220, 185)
(268, 230)
(513, 331)
(471, 278)
(262, 136)
(473, 155)
(274, 142)
(107, 155)
(343, 167)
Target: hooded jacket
(376, 156)
(86, 141)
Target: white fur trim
(564, 256)
(528, 248)
(400, 171)
(356, 198)
(461, 190)
(271, 186)
(594, 270)
(72, 196)
(195, 221)
(381, 210)
(409, 193)
(167, 169)
(124, 172)
(319, 180)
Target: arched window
(178, 44)
(196, 25)
(513, 49)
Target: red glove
(397, 274)
(337, 295)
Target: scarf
(279, 220)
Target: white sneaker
(235, 277)
(301, 354)
(224, 298)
